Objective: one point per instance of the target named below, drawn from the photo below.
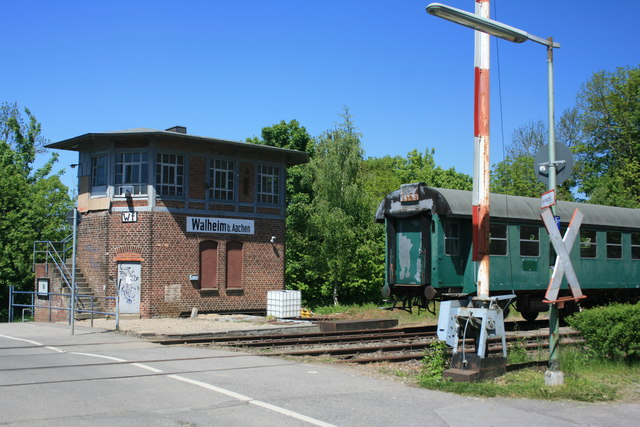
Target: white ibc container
(282, 304)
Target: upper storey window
(99, 175)
(99, 171)
(169, 174)
(268, 184)
(131, 173)
(221, 179)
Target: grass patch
(586, 378)
(373, 311)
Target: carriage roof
(413, 199)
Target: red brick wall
(45, 307)
(169, 254)
(197, 177)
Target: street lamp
(485, 25)
(480, 21)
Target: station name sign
(220, 225)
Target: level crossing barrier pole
(73, 272)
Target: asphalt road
(48, 377)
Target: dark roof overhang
(84, 142)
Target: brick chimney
(177, 129)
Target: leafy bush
(613, 332)
(435, 361)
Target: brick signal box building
(173, 221)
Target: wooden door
(208, 264)
(234, 265)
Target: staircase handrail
(50, 251)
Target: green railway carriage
(428, 249)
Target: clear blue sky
(227, 69)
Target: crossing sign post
(563, 266)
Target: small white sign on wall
(129, 216)
(220, 225)
(43, 285)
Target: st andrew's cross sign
(563, 261)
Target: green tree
(609, 153)
(33, 204)
(300, 253)
(341, 218)
(418, 167)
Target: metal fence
(92, 309)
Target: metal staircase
(58, 254)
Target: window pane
(221, 177)
(588, 244)
(614, 244)
(169, 174)
(131, 170)
(614, 238)
(498, 231)
(268, 184)
(451, 238)
(635, 246)
(99, 171)
(529, 241)
(614, 252)
(498, 239)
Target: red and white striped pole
(480, 208)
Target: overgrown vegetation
(436, 360)
(586, 378)
(612, 332)
(374, 311)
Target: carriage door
(129, 287)
(409, 252)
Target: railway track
(366, 345)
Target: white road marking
(115, 359)
(147, 367)
(207, 386)
(20, 339)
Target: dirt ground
(203, 323)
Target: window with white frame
(268, 184)
(169, 174)
(131, 173)
(221, 179)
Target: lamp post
(480, 22)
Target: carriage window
(614, 244)
(635, 245)
(529, 241)
(588, 244)
(451, 238)
(498, 239)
